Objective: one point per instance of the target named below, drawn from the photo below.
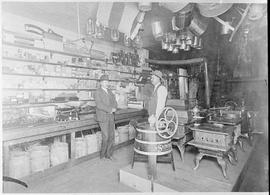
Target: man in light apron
(159, 96)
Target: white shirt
(161, 98)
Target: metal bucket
(198, 24)
(183, 17)
(157, 30)
(145, 145)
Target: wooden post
(72, 145)
(152, 159)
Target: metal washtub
(145, 145)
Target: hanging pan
(213, 9)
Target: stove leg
(223, 165)
(234, 150)
(182, 151)
(197, 160)
(230, 158)
(152, 184)
(133, 159)
(241, 144)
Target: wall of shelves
(32, 65)
(65, 65)
(45, 72)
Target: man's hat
(158, 74)
(104, 77)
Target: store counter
(12, 136)
(18, 135)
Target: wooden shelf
(62, 77)
(50, 51)
(42, 89)
(65, 65)
(238, 80)
(39, 104)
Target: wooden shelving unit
(43, 89)
(19, 135)
(39, 104)
(62, 77)
(66, 65)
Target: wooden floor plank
(207, 178)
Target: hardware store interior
(134, 97)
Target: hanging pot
(127, 40)
(198, 24)
(157, 30)
(189, 38)
(199, 46)
(187, 48)
(115, 35)
(183, 44)
(170, 47)
(91, 27)
(195, 41)
(145, 6)
(175, 50)
(256, 11)
(173, 6)
(100, 31)
(183, 17)
(213, 9)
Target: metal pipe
(175, 62)
(207, 89)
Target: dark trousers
(107, 132)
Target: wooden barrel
(123, 133)
(144, 145)
(80, 147)
(19, 164)
(59, 153)
(39, 158)
(91, 143)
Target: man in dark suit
(105, 108)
